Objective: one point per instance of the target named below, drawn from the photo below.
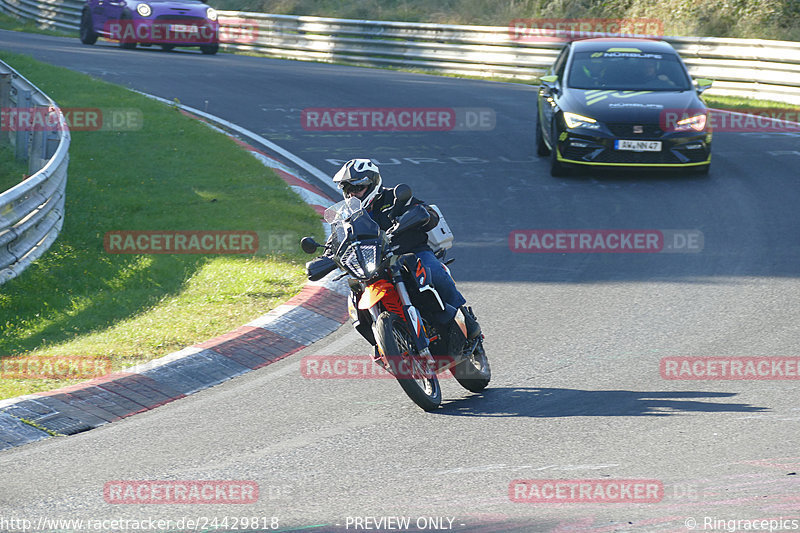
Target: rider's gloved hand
(392, 245)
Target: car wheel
(167, 47)
(122, 44)
(541, 147)
(557, 169)
(87, 34)
(702, 170)
(209, 49)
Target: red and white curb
(318, 310)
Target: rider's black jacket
(411, 241)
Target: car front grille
(624, 156)
(577, 153)
(624, 130)
(183, 19)
(693, 156)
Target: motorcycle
(391, 299)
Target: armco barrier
(740, 67)
(31, 212)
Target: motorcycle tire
(397, 343)
(474, 373)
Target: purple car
(167, 23)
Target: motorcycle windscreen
(363, 227)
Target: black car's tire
(541, 147)
(397, 343)
(167, 47)
(474, 373)
(702, 170)
(87, 33)
(557, 169)
(209, 49)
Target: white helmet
(357, 174)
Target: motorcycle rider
(361, 178)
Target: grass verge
(172, 174)
(11, 170)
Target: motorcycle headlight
(211, 13)
(697, 123)
(575, 120)
(367, 266)
(144, 10)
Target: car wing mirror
(550, 84)
(703, 84)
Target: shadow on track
(556, 403)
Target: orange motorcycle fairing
(381, 290)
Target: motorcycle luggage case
(440, 237)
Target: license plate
(183, 28)
(638, 146)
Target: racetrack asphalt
(575, 339)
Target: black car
(622, 103)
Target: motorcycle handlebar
(320, 267)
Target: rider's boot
(473, 328)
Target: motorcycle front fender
(374, 293)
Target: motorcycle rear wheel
(397, 343)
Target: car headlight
(575, 120)
(144, 10)
(211, 13)
(697, 123)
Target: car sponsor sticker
(635, 104)
(641, 55)
(638, 146)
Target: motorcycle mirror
(402, 193)
(309, 245)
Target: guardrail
(31, 212)
(741, 67)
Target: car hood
(627, 106)
(176, 3)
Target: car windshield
(627, 70)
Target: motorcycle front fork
(413, 319)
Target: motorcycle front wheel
(474, 373)
(409, 367)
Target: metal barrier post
(5, 104)
(24, 102)
(36, 151)
(51, 140)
